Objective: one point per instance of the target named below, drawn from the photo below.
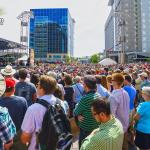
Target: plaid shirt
(7, 127)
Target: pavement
(75, 144)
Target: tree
(95, 58)
(67, 59)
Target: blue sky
(90, 17)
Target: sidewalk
(75, 145)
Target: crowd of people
(111, 105)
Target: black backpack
(55, 133)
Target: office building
(52, 34)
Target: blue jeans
(83, 134)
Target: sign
(1, 21)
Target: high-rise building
(109, 33)
(145, 28)
(52, 34)
(127, 28)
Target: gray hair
(52, 74)
(77, 79)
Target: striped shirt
(109, 136)
(84, 109)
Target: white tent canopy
(24, 58)
(107, 61)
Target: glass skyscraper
(51, 33)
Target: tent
(107, 61)
(24, 58)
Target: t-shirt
(32, 122)
(17, 107)
(26, 90)
(132, 94)
(143, 124)
(84, 108)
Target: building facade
(145, 19)
(52, 34)
(109, 33)
(127, 27)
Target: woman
(109, 83)
(142, 117)
(69, 93)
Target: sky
(90, 17)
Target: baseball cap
(10, 83)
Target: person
(58, 93)
(78, 89)
(7, 129)
(32, 122)
(100, 89)
(8, 72)
(109, 83)
(130, 90)
(17, 107)
(83, 110)
(109, 135)
(142, 118)
(54, 75)
(69, 93)
(144, 78)
(24, 88)
(120, 105)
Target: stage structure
(24, 17)
(10, 52)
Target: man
(24, 88)
(8, 72)
(144, 78)
(130, 90)
(17, 107)
(32, 122)
(109, 135)
(120, 106)
(7, 129)
(86, 121)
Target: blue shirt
(102, 91)
(78, 91)
(143, 124)
(26, 90)
(132, 94)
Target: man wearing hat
(144, 78)
(16, 106)
(8, 72)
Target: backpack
(55, 133)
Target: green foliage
(67, 59)
(148, 59)
(95, 58)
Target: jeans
(83, 134)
